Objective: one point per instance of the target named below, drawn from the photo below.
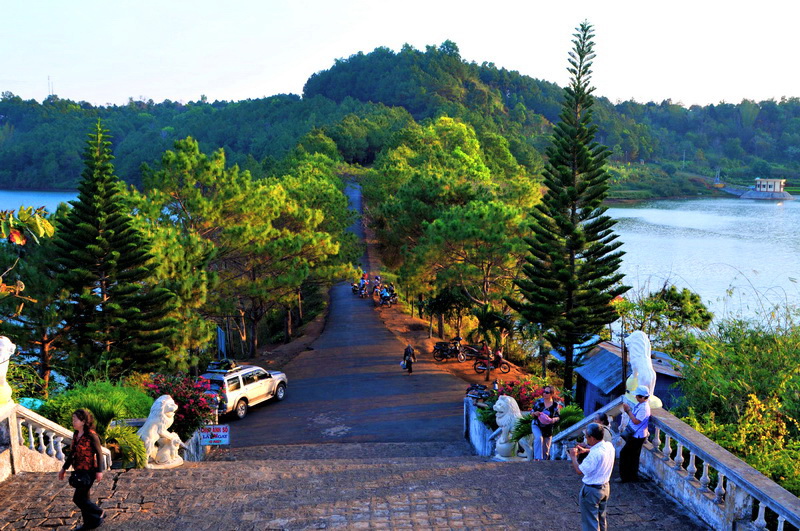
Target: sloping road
(350, 387)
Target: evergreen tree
(115, 316)
(571, 274)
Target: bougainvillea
(525, 391)
(194, 408)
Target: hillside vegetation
(361, 101)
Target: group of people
(594, 460)
(385, 291)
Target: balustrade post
(692, 468)
(679, 457)
(31, 444)
(720, 490)
(667, 447)
(58, 442)
(657, 439)
(40, 433)
(51, 451)
(705, 479)
(781, 521)
(761, 522)
(20, 433)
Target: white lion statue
(7, 349)
(160, 444)
(508, 414)
(642, 365)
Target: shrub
(525, 391)
(569, 415)
(131, 447)
(194, 410)
(115, 401)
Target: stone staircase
(338, 485)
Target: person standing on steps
(545, 415)
(409, 357)
(596, 471)
(86, 459)
(638, 417)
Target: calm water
(713, 245)
(12, 200)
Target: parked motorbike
(481, 364)
(478, 392)
(444, 350)
(388, 301)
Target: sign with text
(215, 435)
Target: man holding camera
(596, 471)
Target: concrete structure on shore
(768, 188)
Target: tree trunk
(441, 326)
(288, 330)
(299, 307)
(253, 340)
(569, 355)
(430, 326)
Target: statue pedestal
(175, 463)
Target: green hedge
(105, 400)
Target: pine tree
(115, 317)
(571, 273)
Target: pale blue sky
(106, 51)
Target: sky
(105, 52)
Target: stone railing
(38, 434)
(718, 487)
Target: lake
(712, 246)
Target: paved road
(350, 387)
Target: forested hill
(361, 101)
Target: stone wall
(476, 432)
(194, 450)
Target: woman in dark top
(545, 414)
(85, 456)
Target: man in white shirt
(596, 471)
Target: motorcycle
(388, 301)
(444, 350)
(481, 364)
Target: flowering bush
(525, 391)
(194, 409)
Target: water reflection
(713, 245)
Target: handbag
(80, 479)
(628, 432)
(403, 364)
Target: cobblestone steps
(341, 486)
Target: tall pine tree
(115, 316)
(571, 273)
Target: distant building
(768, 188)
(770, 185)
(599, 378)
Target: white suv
(240, 387)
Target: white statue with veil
(7, 349)
(639, 354)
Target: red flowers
(16, 237)
(193, 409)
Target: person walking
(596, 471)
(86, 459)
(639, 417)
(545, 415)
(409, 357)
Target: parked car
(239, 387)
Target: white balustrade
(51, 437)
(738, 488)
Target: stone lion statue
(639, 353)
(7, 349)
(160, 444)
(508, 414)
